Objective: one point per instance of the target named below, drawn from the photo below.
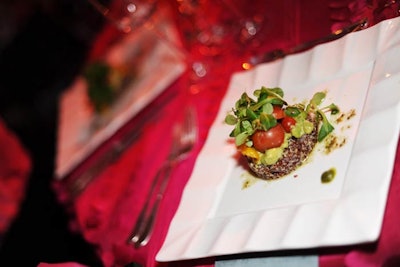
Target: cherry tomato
(263, 140)
(278, 112)
(288, 123)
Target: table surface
(106, 209)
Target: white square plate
(360, 71)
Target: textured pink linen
(106, 211)
(108, 208)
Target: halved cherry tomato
(278, 112)
(288, 123)
(263, 140)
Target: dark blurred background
(43, 45)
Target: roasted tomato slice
(263, 140)
(278, 112)
(288, 123)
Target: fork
(184, 138)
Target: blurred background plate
(148, 65)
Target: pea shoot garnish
(268, 109)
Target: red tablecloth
(107, 209)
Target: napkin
(15, 165)
(289, 261)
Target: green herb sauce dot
(328, 176)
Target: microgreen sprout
(250, 115)
(326, 127)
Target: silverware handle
(145, 223)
